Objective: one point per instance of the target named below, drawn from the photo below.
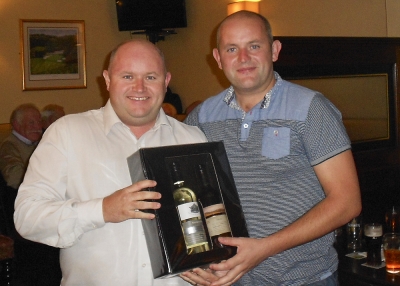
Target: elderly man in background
(16, 149)
(51, 113)
(36, 264)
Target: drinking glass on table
(354, 234)
(391, 248)
(373, 238)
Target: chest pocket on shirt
(276, 142)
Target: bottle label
(194, 233)
(189, 210)
(218, 224)
(213, 208)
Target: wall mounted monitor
(150, 15)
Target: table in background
(352, 273)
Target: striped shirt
(272, 150)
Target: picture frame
(53, 54)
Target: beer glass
(354, 234)
(391, 248)
(373, 239)
(392, 219)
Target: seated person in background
(16, 149)
(192, 106)
(174, 100)
(36, 264)
(51, 113)
(169, 109)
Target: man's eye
(127, 76)
(254, 47)
(231, 50)
(150, 77)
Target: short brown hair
(248, 14)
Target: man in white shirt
(77, 193)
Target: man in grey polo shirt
(291, 160)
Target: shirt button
(246, 125)
(144, 265)
(276, 132)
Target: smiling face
(29, 124)
(137, 81)
(246, 55)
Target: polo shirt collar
(229, 98)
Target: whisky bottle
(189, 213)
(213, 209)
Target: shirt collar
(22, 138)
(111, 118)
(162, 119)
(230, 95)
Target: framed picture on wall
(53, 54)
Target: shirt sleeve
(324, 134)
(43, 212)
(193, 117)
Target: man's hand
(201, 277)
(250, 253)
(126, 203)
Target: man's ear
(167, 79)
(15, 125)
(276, 48)
(217, 57)
(106, 78)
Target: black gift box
(164, 235)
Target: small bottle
(213, 209)
(189, 213)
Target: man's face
(30, 126)
(137, 84)
(245, 55)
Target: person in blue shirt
(291, 160)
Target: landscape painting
(53, 54)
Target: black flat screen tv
(150, 15)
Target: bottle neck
(179, 184)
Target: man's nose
(38, 125)
(138, 85)
(243, 55)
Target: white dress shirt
(80, 160)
